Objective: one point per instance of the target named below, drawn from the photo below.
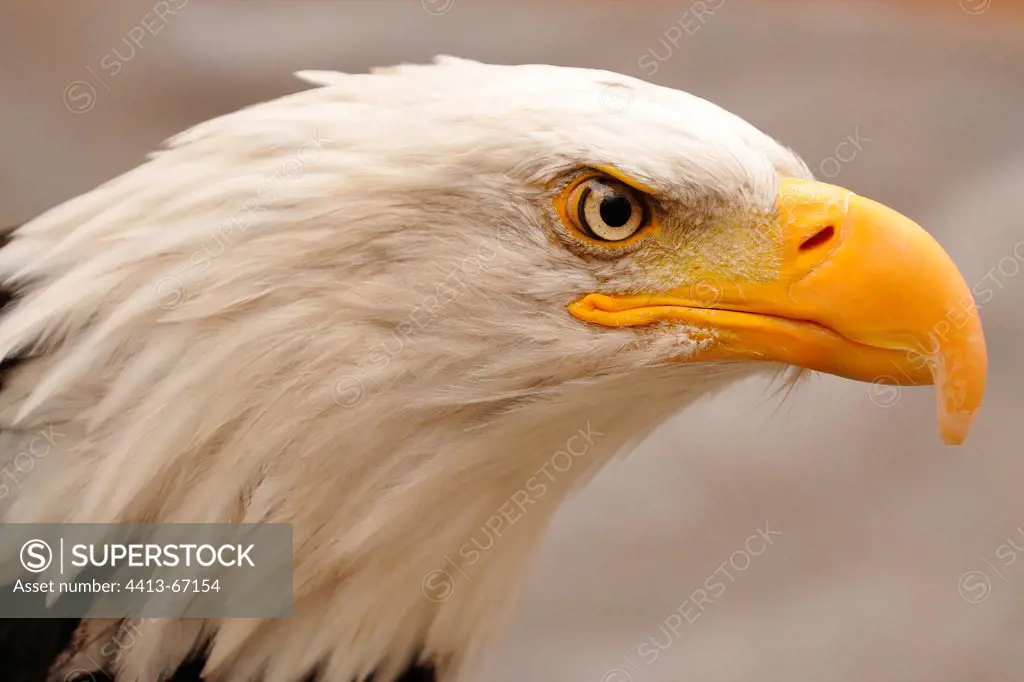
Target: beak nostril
(819, 238)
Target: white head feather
(345, 310)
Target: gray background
(879, 522)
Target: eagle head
(407, 312)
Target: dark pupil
(616, 210)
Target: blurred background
(827, 536)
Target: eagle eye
(605, 209)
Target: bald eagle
(377, 308)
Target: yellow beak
(849, 287)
